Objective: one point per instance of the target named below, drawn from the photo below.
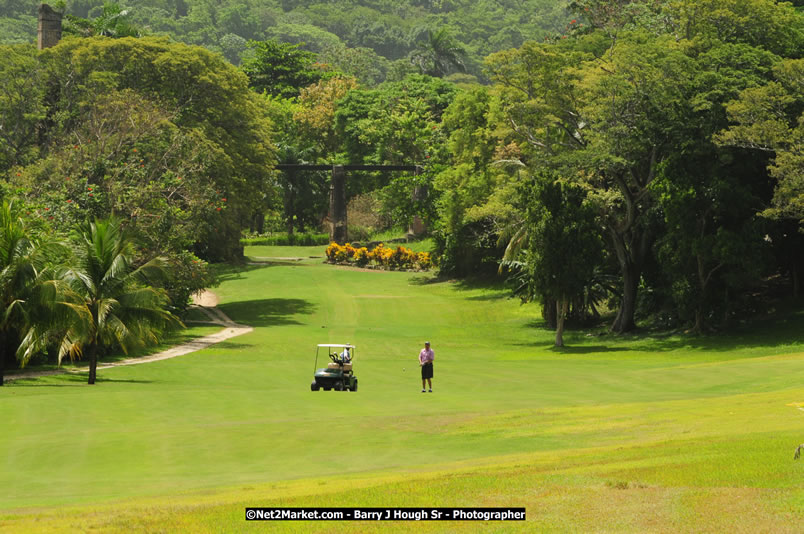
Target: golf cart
(338, 373)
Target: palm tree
(27, 288)
(124, 309)
(439, 54)
(113, 21)
(36, 305)
(18, 270)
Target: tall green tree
(564, 245)
(608, 122)
(439, 54)
(203, 99)
(396, 123)
(315, 114)
(712, 246)
(280, 69)
(770, 119)
(476, 197)
(125, 309)
(22, 105)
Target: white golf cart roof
(336, 345)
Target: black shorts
(427, 370)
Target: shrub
(361, 257)
(332, 251)
(283, 240)
(424, 261)
(386, 258)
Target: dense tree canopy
(163, 133)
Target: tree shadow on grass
(573, 346)
(587, 349)
(428, 279)
(235, 271)
(769, 332)
(488, 283)
(501, 292)
(231, 345)
(489, 297)
(103, 379)
(267, 312)
(69, 380)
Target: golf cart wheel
(314, 386)
(354, 386)
(339, 386)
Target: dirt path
(206, 302)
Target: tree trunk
(259, 222)
(93, 363)
(796, 281)
(631, 248)
(625, 315)
(549, 312)
(561, 315)
(631, 239)
(3, 338)
(699, 324)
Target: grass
(620, 434)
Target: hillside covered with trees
(376, 37)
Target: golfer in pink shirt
(426, 357)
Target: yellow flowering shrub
(424, 261)
(361, 257)
(332, 251)
(386, 258)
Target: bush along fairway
(610, 433)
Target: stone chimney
(49, 27)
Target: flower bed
(399, 258)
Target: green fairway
(634, 434)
